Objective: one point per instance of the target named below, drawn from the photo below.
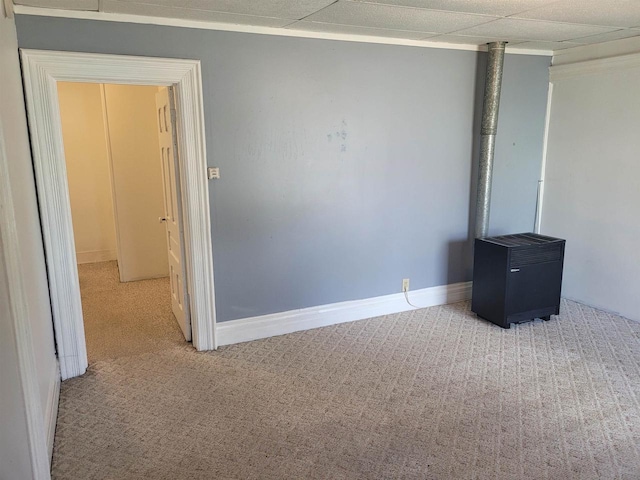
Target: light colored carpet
(123, 319)
(429, 394)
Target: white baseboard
(253, 328)
(51, 413)
(95, 256)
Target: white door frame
(42, 70)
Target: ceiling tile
(501, 8)
(396, 18)
(466, 40)
(607, 37)
(115, 6)
(293, 9)
(544, 45)
(89, 5)
(534, 30)
(614, 13)
(353, 30)
(473, 22)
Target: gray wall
(345, 166)
(523, 106)
(592, 190)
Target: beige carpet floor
(122, 319)
(430, 394)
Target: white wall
(16, 447)
(15, 461)
(137, 175)
(87, 161)
(592, 185)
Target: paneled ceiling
(525, 24)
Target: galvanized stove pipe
(489, 127)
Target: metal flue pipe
(489, 127)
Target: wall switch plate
(213, 172)
(405, 284)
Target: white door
(138, 195)
(173, 209)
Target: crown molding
(278, 31)
(591, 67)
(583, 53)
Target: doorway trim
(42, 70)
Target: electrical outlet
(405, 284)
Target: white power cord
(406, 296)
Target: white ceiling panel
(500, 8)
(89, 5)
(395, 18)
(293, 9)
(352, 30)
(510, 39)
(115, 6)
(471, 22)
(534, 30)
(615, 13)
(549, 46)
(466, 40)
(607, 37)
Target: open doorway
(124, 192)
(42, 71)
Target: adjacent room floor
(122, 319)
(430, 394)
